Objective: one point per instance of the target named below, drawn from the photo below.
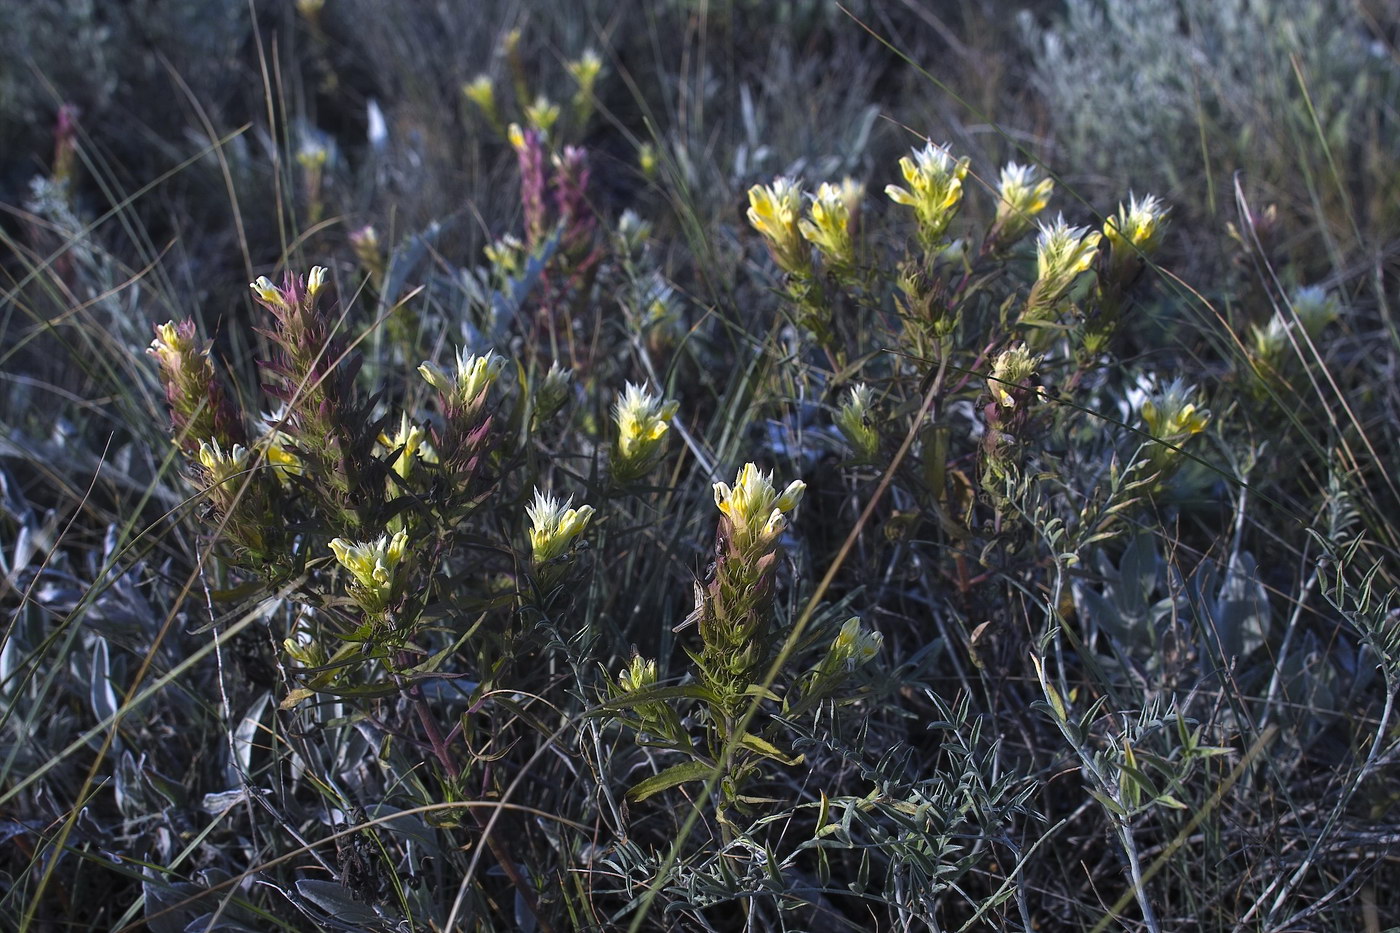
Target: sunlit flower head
(1315, 307)
(646, 159)
(279, 448)
(638, 676)
(1011, 370)
(642, 420)
(374, 565)
(268, 293)
(516, 136)
(554, 390)
(554, 526)
(408, 445)
(220, 465)
(1020, 198)
(755, 509)
(585, 69)
(315, 280)
(481, 92)
(172, 342)
(832, 221)
(473, 376)
(1138, 225)
(855, 645)
(774, 211)
(506, 255)
(1062, 253)
(542, 114)
(1173, 413)
(934, 189)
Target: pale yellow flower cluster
(854, 645)
(1138, 226)
(1020, 198)
(755, 509)
(408, 445)
(1173, 414)
(473, 376)
(642, 419)
(775, 211)
(1062, 253)
(221, 465)
(585, 70)
(935, 189)
(554, 526)
(374, 565)
(1011, 369)
(830, 227)
(542, 114)
(169, 346)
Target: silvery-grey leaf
(245, 737)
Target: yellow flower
(283, 461)
(553, 526)
(278, 447)
(754, 508)
(482, 93)
(774, 211)
(1315, 308)
(506, 255)
(316, 280)
(407, 445)
(1020, 198)
(854, 421)
(374, 565)
(516, 136)
(833, 214)
(542, 114)
(646, 159)
(638, 676)
(268, 293)
(854, 646)
(934, 191)
(553, 391)
(1010, 371)
(473, 377)
(1270, 340)
(1062, 253)
(171, 343)
(1172, 414)
(222, 466)
(1139, 225)
(313, 156)
(642, 420)
(585, 70)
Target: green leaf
(758, 690)
(1109, 804)
(676, 774)
(767, 749)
